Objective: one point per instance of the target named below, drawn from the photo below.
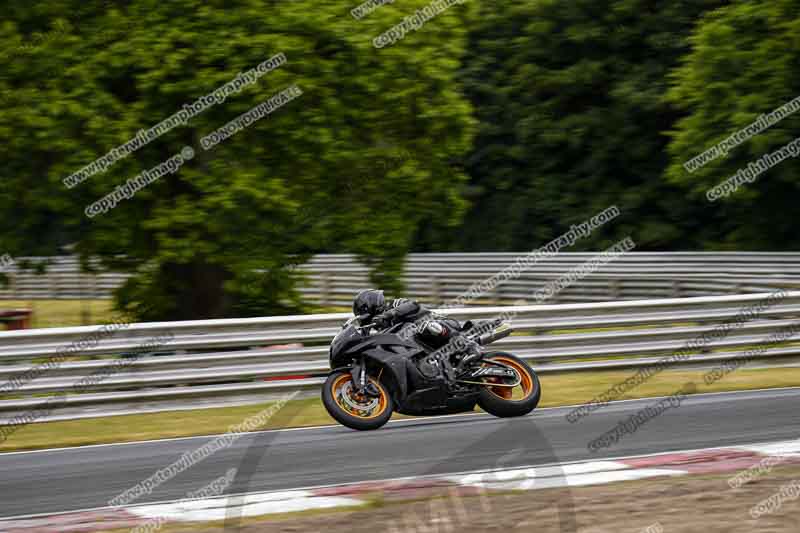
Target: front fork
(362, 384)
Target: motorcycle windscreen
(343, 339)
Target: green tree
(570, 101)
(743, 64)
(310, 177)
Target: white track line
(568, 468)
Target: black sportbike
(378, 372)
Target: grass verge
(557, 389)
(64, 313)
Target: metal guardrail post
(13, 284)
(614, 289)
(676, 288)
(54, 285)
(86, 313)
(325, 292)
(436, 291)
(497, 293)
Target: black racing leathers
(433, 330)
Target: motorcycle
(376, 373)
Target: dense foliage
(311, 176)
(742, 65)
(493, 126)
(573, 119)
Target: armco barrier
(439, 278)
(255, 357)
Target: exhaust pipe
(501, 332)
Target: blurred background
(425, 159)
(492, 128)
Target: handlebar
(361, 326)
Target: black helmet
(369, 301)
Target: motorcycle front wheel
(519, 400)
(354, 410)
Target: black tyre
(507, 402)
(352, 410)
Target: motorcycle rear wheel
(500, 401)
(353, 410)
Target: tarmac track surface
(50, 481)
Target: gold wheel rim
(525, 379)
(342, 391)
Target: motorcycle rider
(439, 332)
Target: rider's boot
(472, 352)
